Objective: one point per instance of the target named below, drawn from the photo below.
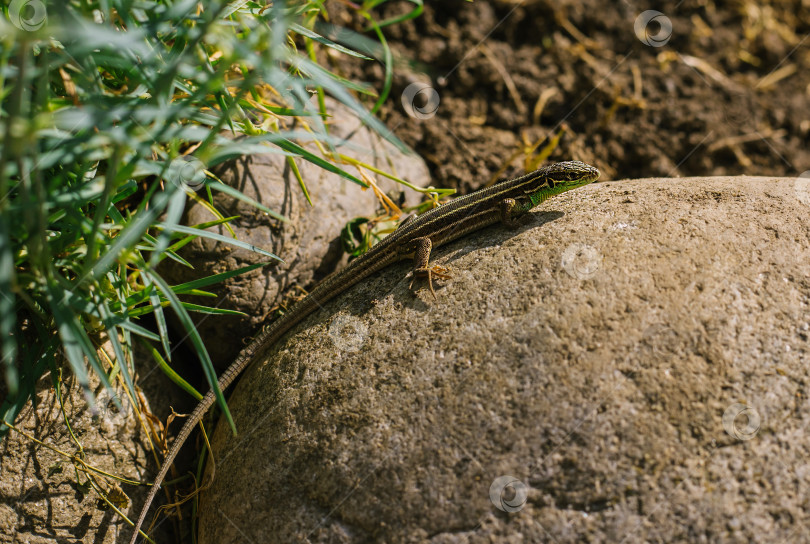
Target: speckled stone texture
(635, 356)
(41, 500)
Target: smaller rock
(309, 243)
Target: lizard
(414, 238)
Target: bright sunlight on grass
(113, 113)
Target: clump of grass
(112, 114)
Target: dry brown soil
(727, 94)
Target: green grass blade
(174, 376)
(8, 314)
(128, 325)
(326, 41)
(298, 150)
(218, 237)
(160, 318)
(215, 278)
(76, 343)
(173, 214)
(210, 310)
(106, 316)
(196, 341)
(128, 237)
(238, 195)
(32, 367)
(416, 12)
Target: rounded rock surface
(631, 364)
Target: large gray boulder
(632, 364)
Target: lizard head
(560, 177)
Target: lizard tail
(188, 426)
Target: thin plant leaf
(174, 376)
(326, 41)
(215, 278)
(218, 237)
(160, 318)
(303, 153)
(76, 343)
(230, 191)
(196, 341)
(106, 316)
(211, 310)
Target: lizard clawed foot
(436, 271)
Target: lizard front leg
(511, 212)
(421, 248)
